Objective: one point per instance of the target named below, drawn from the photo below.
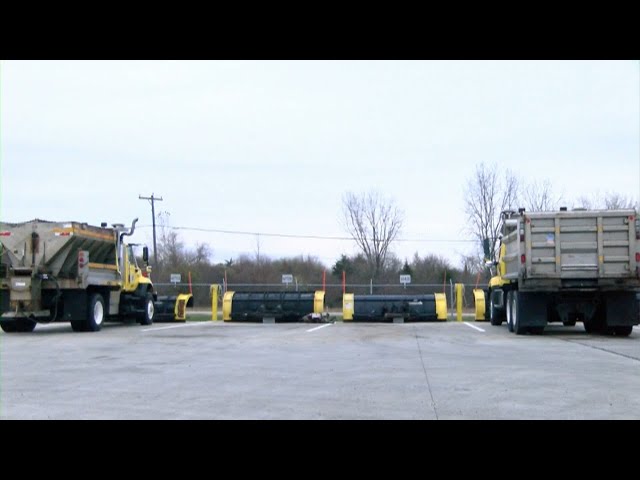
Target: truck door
(131, 270)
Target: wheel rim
(514, 311)
(150, 309)
(507, 306)
(98, 313)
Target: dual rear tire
(18, 325)
(96, 313)
(514, 315)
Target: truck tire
(495, 316)
(95, 313)
(591, 327)
(516, 314)
(8, 326)
(487, 305)
(77, 325)
(25, 325)
(623, 331)
(146, 318)
(508, 307)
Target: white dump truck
(71, 272)
(566, 266)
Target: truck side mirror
(145, 254)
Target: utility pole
(152, 200)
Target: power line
(314, 237)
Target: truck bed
(595, 247)
(53, 246)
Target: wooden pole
(344, 282)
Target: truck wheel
(149, 310)
(96, 313)
(509, 307)
(623, 331)
(77, 325)
(25, 325)
(487, 305)
(516, 315)
(494, 316)
(591, 327)
(8, 326)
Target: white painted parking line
(473, 326)
(174, 326)
(318, 328)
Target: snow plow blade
(172, 308)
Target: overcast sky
(272, 146)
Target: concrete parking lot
(216, 370)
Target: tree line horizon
(374, 221)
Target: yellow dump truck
(71, 272)
(566, 266)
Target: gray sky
(271, 146)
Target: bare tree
(539, 197)
(470, 264)
(486, 196)
(613, 201)
(258, 248)
(374, 222)
(174, 256)
(584, 202)
(170, 246)
(609, 201)
(200, 255)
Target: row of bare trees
(491, 190)
(375, 268)
(374, 222)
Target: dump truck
(565, 266)
(71, 272)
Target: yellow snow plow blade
(478, 297)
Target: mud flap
(622, 309)
(532, 309)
